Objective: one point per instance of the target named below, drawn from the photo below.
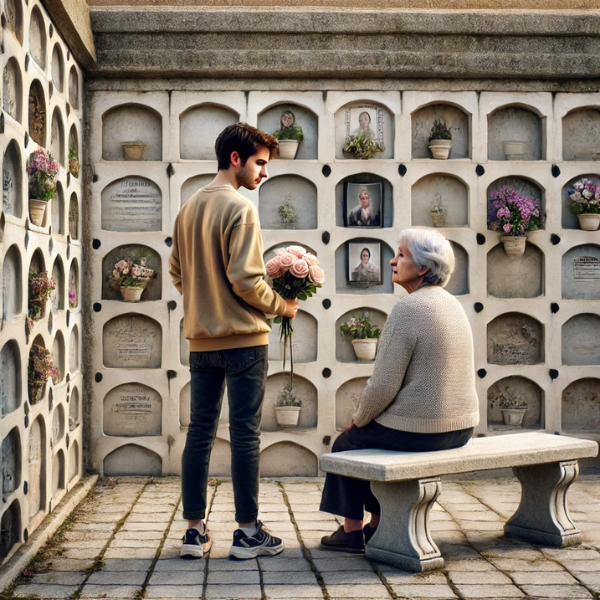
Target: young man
(217, 265)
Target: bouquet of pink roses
(295, 274)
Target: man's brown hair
(245, 140)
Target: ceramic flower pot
(287, 416)
(589, 221)
(288, 149)
(131, 293)
(440, 149)
(513, 416)
(515, 150)
(365, 349)
(37, 211)
(134, 150)
(35, 391)
(514, 245)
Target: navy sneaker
(262, 543)
(195, 545)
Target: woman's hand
(349, 426)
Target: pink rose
(274, 268)
(311, 259)
(280, 251)
(297, 251)
(316, 274)
(287, 260)
(507, 228)
(299, 269)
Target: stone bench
(408, 483)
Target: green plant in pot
(440, 140)
(289, 135)
(131, 276)
(73, 161)
(513, 409)
(287, 407)
(40, 369)
(362, 145)
(42, 171)
(364, 336)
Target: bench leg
(403, 538)
(543, 515)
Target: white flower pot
(514, 245)
(515, 150)
(131, 293)
(588, 221)
(513, 416)
(134, 150)
(365, 349)
(288, 149)
(440, 148)
(287, 416)
(37, 211)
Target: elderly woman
(365, 270)
(421, 396)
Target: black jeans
(245, 370)
(349, 497)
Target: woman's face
(287, 120)
(364, 121)
(405, 271)
(364, 257)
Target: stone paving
(124, 542)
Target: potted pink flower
(131, 276)
(42, 172)
(41, 368)
(584, 201)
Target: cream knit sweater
(424, 376)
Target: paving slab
(298, 591)
(233, 577)
(177, 578)
(288, 578)
(174, 591)
(489, 591)
(134, 578)
(129, 564)
(45, 591)
(58, 578)
(122, 592)
(557, 591)
(232, 592)
(425, 591)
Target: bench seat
(407, 485)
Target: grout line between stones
(210, 503)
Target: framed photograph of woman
(364, 262)
(363, 205)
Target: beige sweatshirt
(424, 376)
(217, 264)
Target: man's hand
(291, 307)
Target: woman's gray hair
(430, 249)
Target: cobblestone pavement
(124, 540)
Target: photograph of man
(367, 211)
(364, 262)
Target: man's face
(255, 169)
(364, 200)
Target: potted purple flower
(41, 368)
(584, 201)
(513, 216)
(42, 173)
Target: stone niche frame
(459, 284)
(74, 88)
(57, 211)
(291, 458)
(37, 38)
(74, 352)
(304, 340)
(74, 221)
(37, 113)
(11, 461)
(11, 524)
(58, 475)
(57, 296)
(13, 10)
(132, 459)
(510, 278)
(13, 176)
(580, 340)
(347, 397)
(451, 190)
(58, 68)
(132, 410)
(57, 137)
(520, 386)
(37, 466)
(581, 272)
(580, 406)
(298, 190)
(515, 338)
(12, 284)
(192, 184)
(11, 388)
(569, 219)
(303, 388)
(580, 134)
(344, 351)
(12, 90)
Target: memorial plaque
(347, 398)
(10, 463)
(11, 89)
(132, 341)
(581, 273)
(509, 278)
(58, 424)
(515, 339)
(37, 467)
(303, 389)
(10, 396)
(131, 410)
(581, 406)
(519, 387)
(586, 268)
(11, 181)
(581, 340)
(58, 472)
(132, 204)
(37, 37)
(132, 459)
(304, 339)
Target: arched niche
(220, 459)
(581, 273)
(436, 189)
(344, 351)
(284, 190)
(74, 217)
(581, 406)
(11, 528)
(37, 37)
(131, 123)
(74, 409)
(270, 252)
(304, 340)
(184, 347)
(520, 387)
(569, 219)
(74, 350)
(132, 410)
(73, 149)
(74, 88)
(58, 68)
(57, 206)
(13, 11)
(459, 280)
(12, 284)
(270, 121)
(380, 126)
(58, 424)
(12, 90)
(581, 340)
(286, 459)
(58, 351)
(132, 459)
(57, 137)
(524, 187)
(199, 128)
(132, 204)
(10, 378)
(581, 134)
(37, 467)
(73, 461)
(57, 296)
(347, 398)
(37, 113)
(12, 181)
(515, 339)
(343, 268)
(132, 341)
(37, 264)
(74, 284)
(10, 463)
(58, 472)
(193, 184)
(153, 290)
(388, 200)
(457, 122)
(510, 278)
(303, 389)
(516, 124)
